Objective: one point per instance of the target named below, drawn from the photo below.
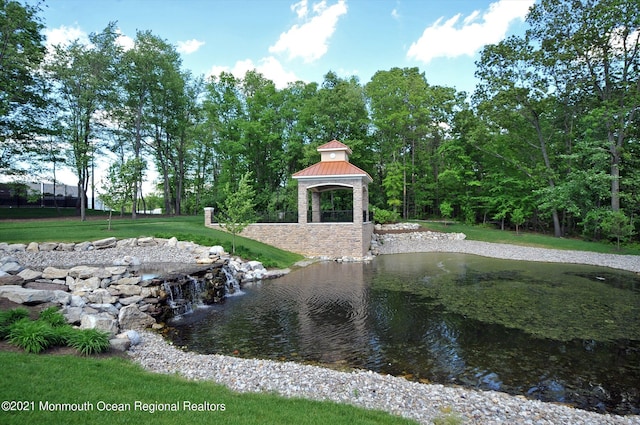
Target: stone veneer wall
(311, 239)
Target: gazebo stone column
(303, 203)
(315, 207)
(357, 202)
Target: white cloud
(301, 8)
(447, 39)
(270, 67)
(64, 36)
(309, 39)
(189, 46)
(395, 14)
(124, 41)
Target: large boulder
(105, 243)
(83, 246)
(85, 285)
(216, 250)
(134, 280)
(29, 275)
(10, 265)
(134, 299)
(85, 272)
(54, 273)
(72, 314)
(21, 295)
(131, 317)
(48, 246)
(101, 321)
(126, 290)
(10, 279)
(101, 296)
(147, 241)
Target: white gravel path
(418, 242)
(420, 402)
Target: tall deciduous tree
(513, 93)
(84, 78)
(21, 90)
(411, 119)
(593, 47)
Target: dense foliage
(548, 140)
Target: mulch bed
(34, 312)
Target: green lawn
(117, 383)
(186, 228)
(191, 228)
(491, 234)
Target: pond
(553, 332)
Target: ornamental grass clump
(50, 330)
(53, 317)
(89, 341)
(9, 317)
(31, 336)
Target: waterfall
(232, 285)
(192, 291)
(176, 299)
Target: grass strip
(490, 234)
(117, 391)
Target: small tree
(237, 210)
(517, 218)
(119, 185)
(446, 210)
(616, 224)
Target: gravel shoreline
(421, 402)
(416, 242)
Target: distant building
(31, 194)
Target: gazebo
(333, 172)
(349, 236)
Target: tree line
(548, 139)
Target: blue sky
(288, 40)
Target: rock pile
(406, 233)
(97, 284)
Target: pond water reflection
(566, 333)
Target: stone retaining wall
(312, 239)
(335, 240)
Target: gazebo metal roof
(332, 169)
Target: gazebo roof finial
(334, 145)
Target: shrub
(381, 216)
(89, 341)
(9, 317)
(31, 336)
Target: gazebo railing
(331, 216)
(277, 217)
